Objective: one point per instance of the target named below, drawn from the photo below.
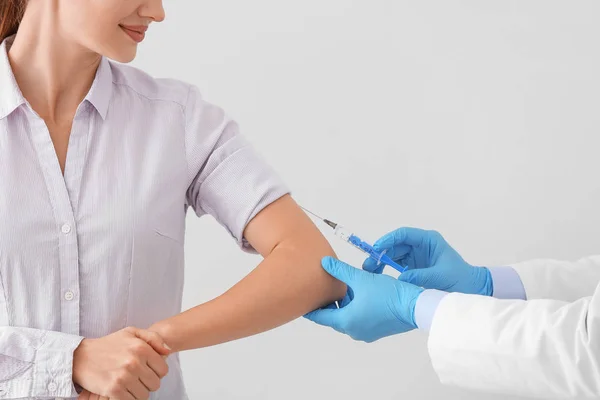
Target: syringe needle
(310, 212)
(328, 222)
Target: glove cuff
(486, 283)
(413, 305)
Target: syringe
(363, 246)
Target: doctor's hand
(432, 262)
(375, 306)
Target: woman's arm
(288, 283)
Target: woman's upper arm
(288, 239)
(284, 224)
(227, 177)
(233, 183)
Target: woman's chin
(123, 56)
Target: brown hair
(11, 13)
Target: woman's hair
(11, 13)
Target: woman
(98, 165)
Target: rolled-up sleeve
(228, 179)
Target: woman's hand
(85, 395)
(126, 365)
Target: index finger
(412, 237)
(154, 340)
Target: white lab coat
(547, 346)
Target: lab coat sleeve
(506, 284)
(539, 348)
(36, 363)
(559, 280)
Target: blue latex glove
(432, 262)
(374, 307)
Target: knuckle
(155, 385)
(164, 371)
(398, 235)
(138, 347)
(113, 392)
(117, 385)
(130, 329)
(142, 332)
(116, 382)
(154, 335)
(161, 373)
(122, 379)
(435, 235)
(132, 364)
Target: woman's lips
(137, 33)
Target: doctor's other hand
(375, 306)
(125, 365)
(432, 263)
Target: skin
(286, 285)
(54, 58)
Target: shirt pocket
(156, 277)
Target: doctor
(531, 329)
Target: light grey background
(476, 118)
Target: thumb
(154, 340)
(325, 317)
(370, 265)
(340, 270)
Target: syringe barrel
(366, 248)
(378, 256)
(342, 233)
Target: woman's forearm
(287, 284)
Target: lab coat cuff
(427, 304)
(507, 284)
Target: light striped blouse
(101, 248)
